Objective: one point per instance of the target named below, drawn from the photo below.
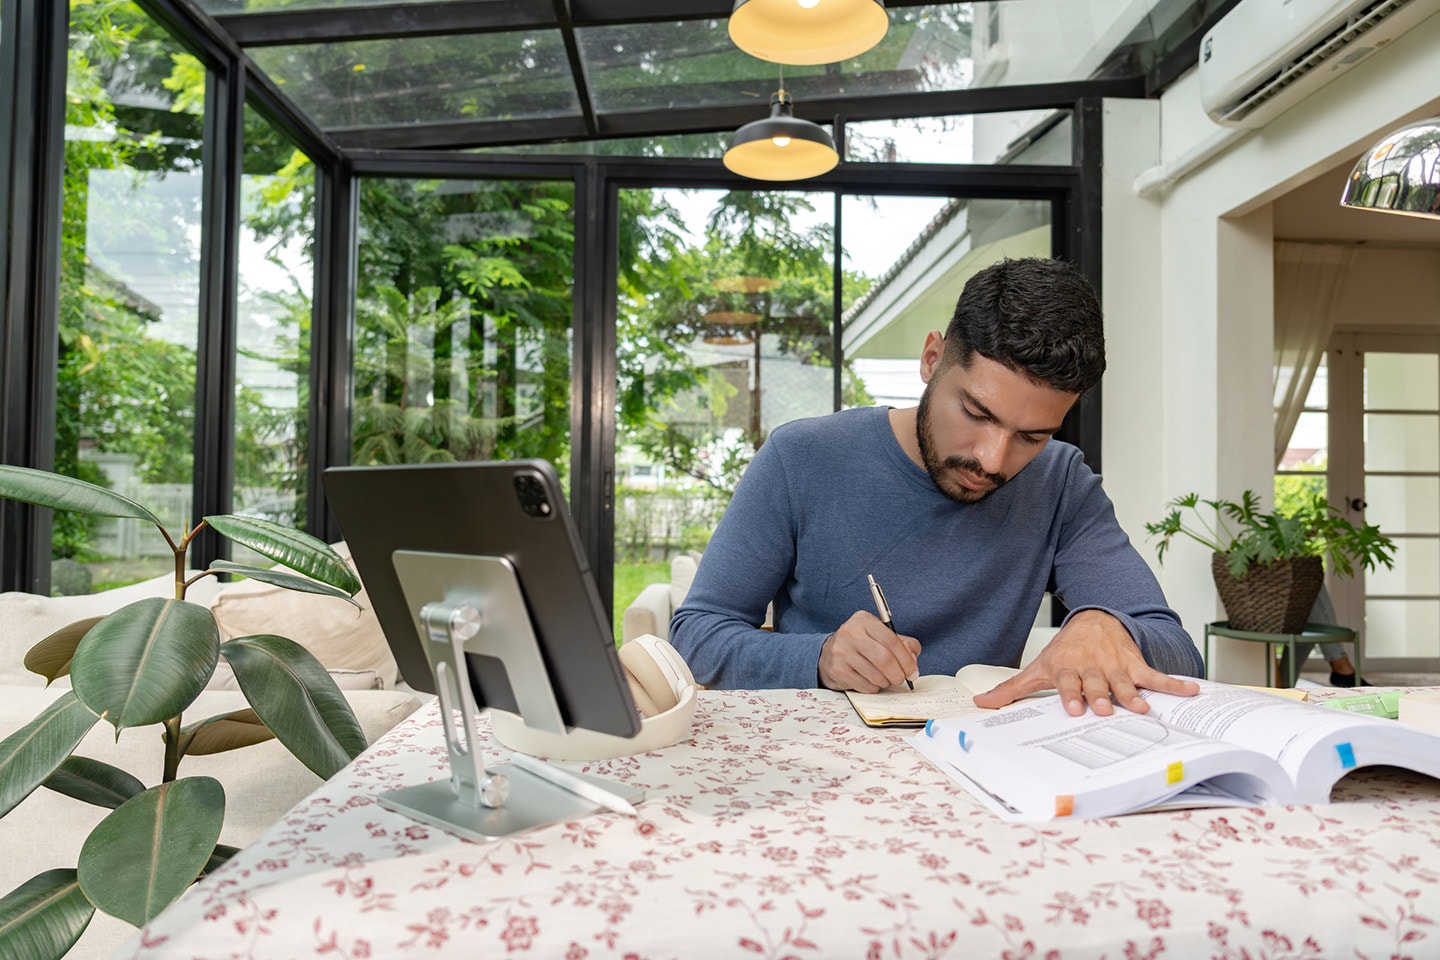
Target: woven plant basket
(1273, 598)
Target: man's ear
(931, 354)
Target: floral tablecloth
(786, 828)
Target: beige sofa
(261, 782)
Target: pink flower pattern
(787, 829)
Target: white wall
(1189, 275)
(1397, 290)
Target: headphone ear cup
(643, 703)
(640, 666)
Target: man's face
(980, 426)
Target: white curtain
(1308, 280)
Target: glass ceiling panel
(492, 76)
(940, 47)
(220, 7)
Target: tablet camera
(532, 496)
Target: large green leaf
(43, 917)
(282, 578)
(296, 550)
(298, 700)
(67, 493)
(31, 754)
(92, 781)
(51, 657)
(227, 731)
(147, 661)
(140, 858)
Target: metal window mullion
(593, 394)
(332, 336)
(221, 152)
(33, 53)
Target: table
(1311, 634)
(786, 828)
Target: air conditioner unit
(1266, 55)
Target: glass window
(1401, 441)
(1402, 381)
(1024, 137)
(272, 370)
(129, 289)
(1409, 504)
(463, 321)
(725, 332)
(908, 259)
(1401, 628)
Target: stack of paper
(1421, 708)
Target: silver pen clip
(881, 607)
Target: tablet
(512, 510)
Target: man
(962, 509)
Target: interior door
(1385, 470)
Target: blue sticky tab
(929, 728)
(1347, 755)
(964, 744)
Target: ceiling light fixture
(1400, 174)
(807, 31)
(780, 147)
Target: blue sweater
(830, 499)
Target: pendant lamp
(780, 147)
(1400, 174)
(807, 31)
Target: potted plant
(145, 664)
(1269, 567)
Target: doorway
(1384, 468)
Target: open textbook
(935, 695)
(1227, 746)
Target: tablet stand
(473, 605)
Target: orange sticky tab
(1064, 805)
(1175, 772)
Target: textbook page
(1314, 745)
(935, 695)
(1033, 761)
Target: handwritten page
(935, 695)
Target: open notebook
(935, 695)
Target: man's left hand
(1094, 660)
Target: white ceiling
(1312, 211)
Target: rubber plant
(145, 664)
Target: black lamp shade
(781, 147)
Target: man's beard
(938, 468)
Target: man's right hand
(866, 656)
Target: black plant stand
(1313, 633)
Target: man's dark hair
(1037, 317)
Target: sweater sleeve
(749, 557)
(1097, 568)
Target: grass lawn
(630, 579)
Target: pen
(883, 609)
(575, 784)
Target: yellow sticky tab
(1064, 805)
(1175, 772)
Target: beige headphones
(663, 689)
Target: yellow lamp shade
(807, 31)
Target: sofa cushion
(682, 574)
(333, 630)
(27, 618)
